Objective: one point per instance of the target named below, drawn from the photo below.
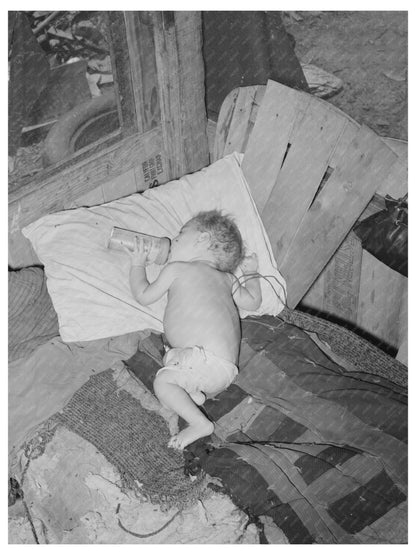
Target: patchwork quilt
(301, 442)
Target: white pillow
(89, 283)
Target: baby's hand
(250, 263)
(139, 253)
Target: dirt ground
(368, 51)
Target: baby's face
(185, 246)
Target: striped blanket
(303, 444)
(32, 318)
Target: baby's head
(225, 244)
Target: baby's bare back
(201, 311)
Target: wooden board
(300, 176)
(121, 68)
(211, 130)
(344, 196)
(332, 282)
(223, 124)
(219, 136)
(27, 204)
(142, 57)
(268, 142)
(239, 123)
(121, 186)
(380, 300)
(314, 298)
(342, 293)
(149, 173)
(236, 120)
(192, 89)
(239, 130)
(342, 277)
(168, 87)
(178, 37)
(92, 198)
(396, 182)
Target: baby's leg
(174, 397)
(171, 418)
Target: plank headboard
(313, 170)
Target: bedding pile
(319, 451)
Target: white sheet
(89, 283)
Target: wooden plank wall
(93, 177)
(161, 66)
(350, 286)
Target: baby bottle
(157, 247)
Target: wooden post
(180, 73)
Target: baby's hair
(226, 241)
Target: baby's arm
(248, 295)
(144, 292)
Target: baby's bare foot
(191, 434)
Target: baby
(201, 320)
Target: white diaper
(198, 370)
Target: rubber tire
(58, 143)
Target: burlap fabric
(133, 439)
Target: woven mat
(133, 439)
